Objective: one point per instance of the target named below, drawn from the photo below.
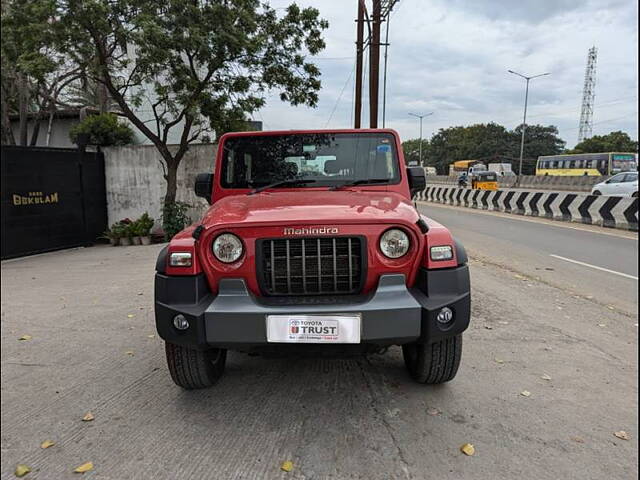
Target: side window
(579, 163)
(631, 177)
(554, 164)
(572, 164)
(616, 179)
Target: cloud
(452, 56)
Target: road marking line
(594, 266)
(541, 221)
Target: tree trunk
(7, 132)
(50, 126)
(23, 98)
(172, 182)
(36, 130)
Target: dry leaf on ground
(498, 360)
(577, 439)
(47, 444)
(286, 466)
(433, 411)
(25, 337)
(85, 467)
(88, 417)
(468, 449)
(525, 393)
(545, 377)
(131, 315)
(130, 353)
(21, 470)
(622, 435)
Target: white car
(621, 185)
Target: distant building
(53, 132)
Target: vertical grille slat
(311, 266)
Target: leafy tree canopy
(612, 142)
(488, 142)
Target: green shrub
(144, 224)
(104, 129)
(174, 218)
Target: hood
(312, 207)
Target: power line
(340, 96)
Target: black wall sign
(52, 198)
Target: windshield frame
(320, 183)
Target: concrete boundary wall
(135, 183)
(548, 182)
(614, 212)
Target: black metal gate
(52, 198)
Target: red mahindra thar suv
(311, 245)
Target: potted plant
(117, 231)
(111, 235)
(145, 223)
(125, 225)
(135, 232)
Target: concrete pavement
(94, 348)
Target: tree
(612, 142)
(411, 150)
(488, 142)
(34, 73)
(198, 67)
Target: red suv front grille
(311, 266)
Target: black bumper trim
(392, 314)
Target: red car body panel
(366, 211)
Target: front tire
(433, 363)
(192, 369)
(596, 192)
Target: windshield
(326, 159)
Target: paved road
(550, 250)
(93, 349)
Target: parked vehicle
(620, 185)
(430, 171)
(312, 244)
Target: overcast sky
(451, 57)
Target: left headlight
(227, 248)
(394, 243)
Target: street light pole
(524, 120)
(421, 117)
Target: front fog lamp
(443, 252)
(227, 248)
(445, 315)
(394, 243)
(180, 259)
(180, 322)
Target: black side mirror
(417, 179)
(204, 186)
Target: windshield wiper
(279, 183)
(362, 181)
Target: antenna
(588, 96)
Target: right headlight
(227, 248)
(394, 243)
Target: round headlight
(394, 243)
(227, 248)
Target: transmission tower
(588, 96)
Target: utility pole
(384, 82)
(359, 52)
(421, 117)
(524, 120)
(374, 64)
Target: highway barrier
(550, 182)
(613, 212)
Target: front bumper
(236, 319)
